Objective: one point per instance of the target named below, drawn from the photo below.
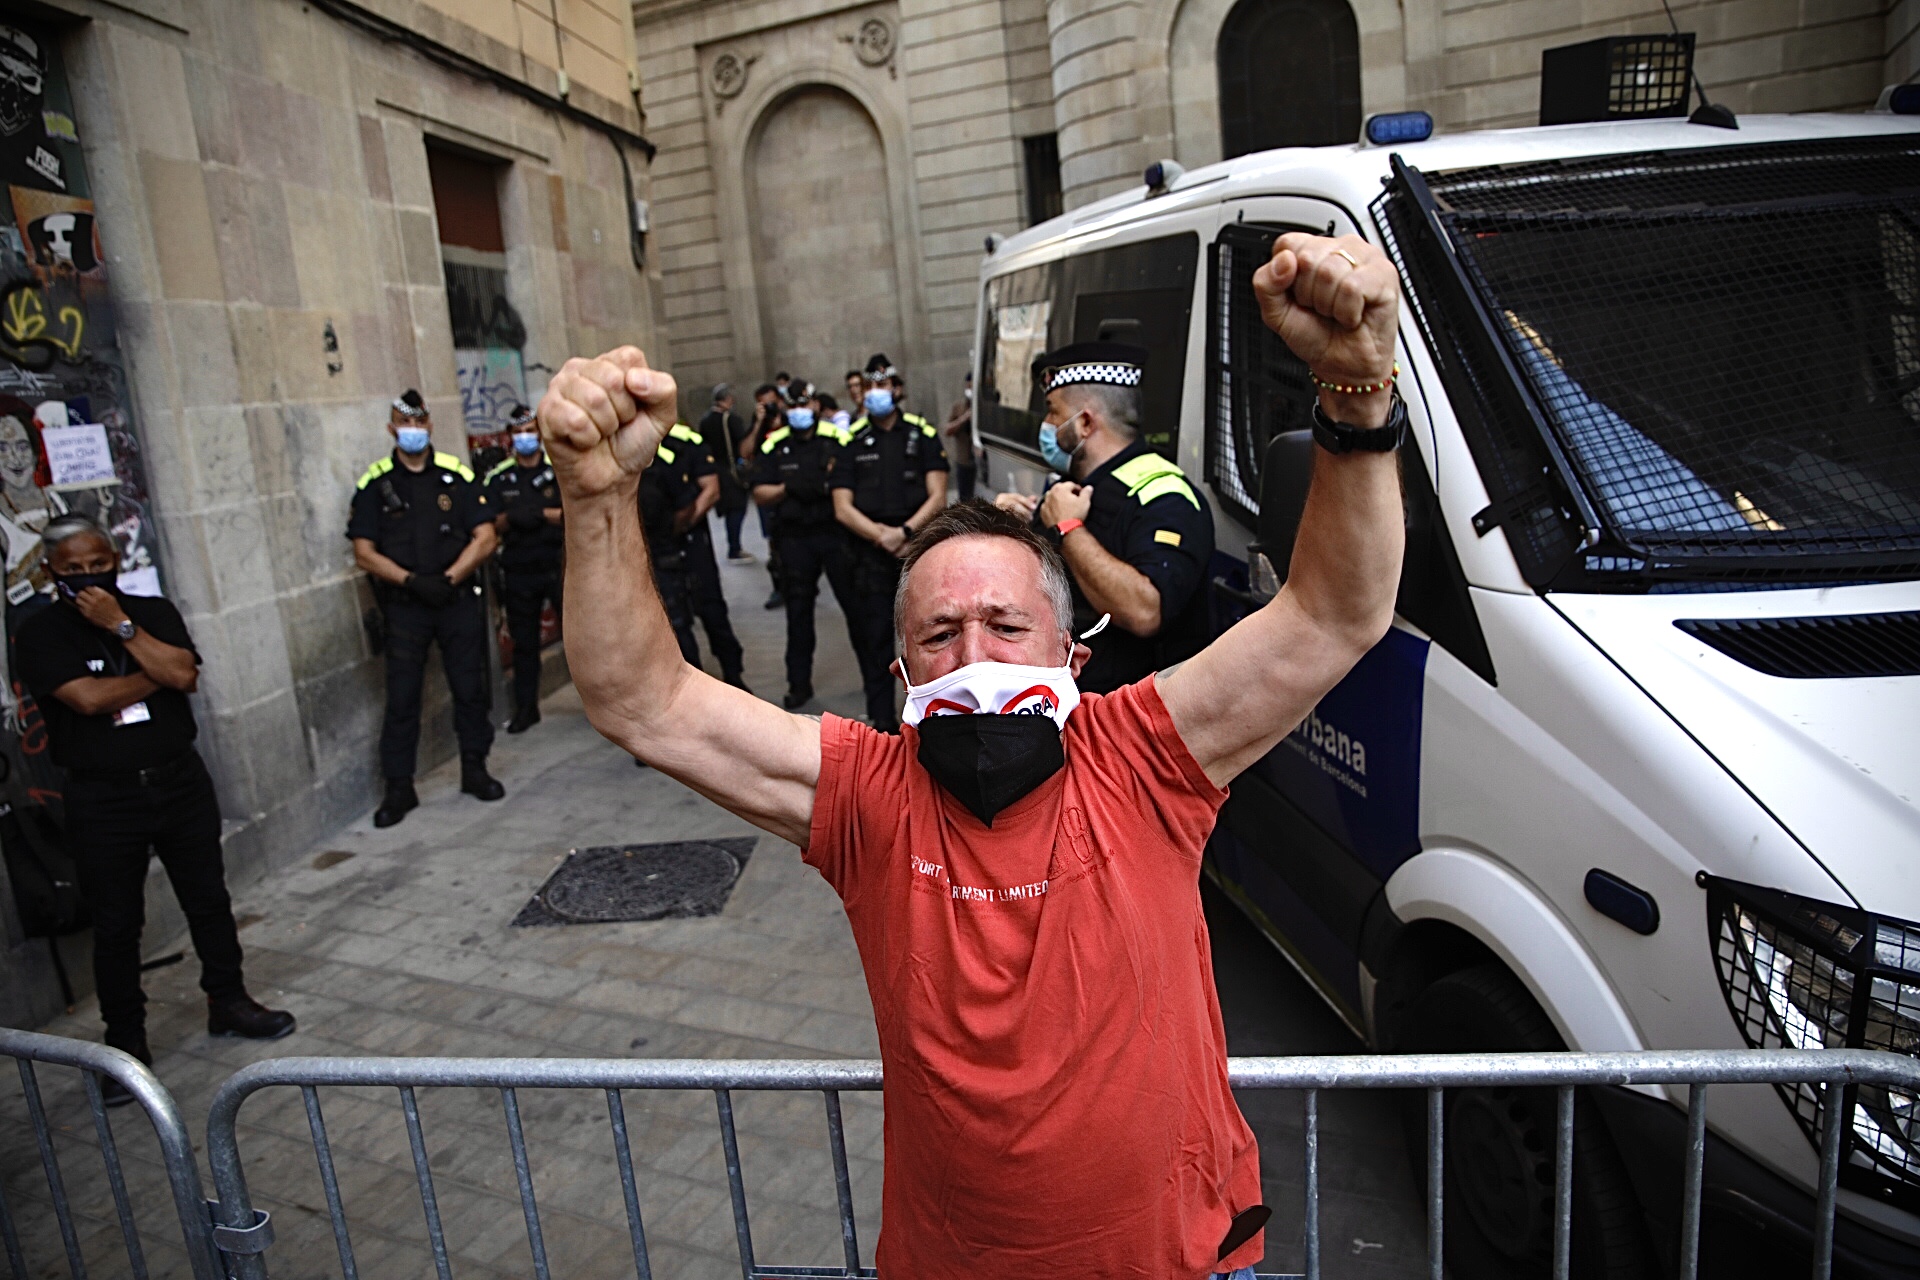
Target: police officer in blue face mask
(420, 527)
(888, 479)
(526, 509)
(789, 476)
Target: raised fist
(602, 421)
(1335, 303)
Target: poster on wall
(67, 437)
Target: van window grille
(1730, 403)
(1820, 648)
(1257, 387)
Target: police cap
(1111, 364)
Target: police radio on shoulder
(1341, 437)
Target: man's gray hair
(59, 530)
(1118, 407)
(978, 519)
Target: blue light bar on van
(1390, 127)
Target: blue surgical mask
(879, 402)
(412, 439)
(800, 419)
(526, 443)
(1057, 458)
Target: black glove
(431, 589)
(526, 519)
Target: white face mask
(996, 688)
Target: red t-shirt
(1056, 1067)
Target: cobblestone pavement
(399, 942)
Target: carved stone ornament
(874, 44)
(729, 75)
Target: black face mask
(987, 762)
(72, 584)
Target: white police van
(1638, 765)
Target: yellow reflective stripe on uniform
(836, 433)
(1151, 476)
(665, 454)
(774, 438)
(859, 425)
(915, 420)
(450, 463)
(681, 431)
(498, 468)
(1169, 536)
(375, 471)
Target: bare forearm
(103, 695)
(936, 499)
(766, 495)
(1345, 571)
(709, 497)
(377, 565)
(478, 548)
(1111, 585)
(621, 650)
(853, 518)
(168, 666)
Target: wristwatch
(908, 530)
(1340, 437)
(125, 628)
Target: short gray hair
(64, 527)
(1119, 407)
(981, 519)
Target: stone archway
(1289, 75)
(823, 237)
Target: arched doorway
(1289, 75)
(823, 237)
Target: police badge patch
(446, 502)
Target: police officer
(789, 476)
(887, 479)
(703, 569)
(526, 517)
(420, 528)
(669, 496)
(1135, 534)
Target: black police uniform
(810, 541)
(135, 786)
(529, 559)
(667, 488)
(703, 570)
(887, 470)
(422, 521)
(1146, 513)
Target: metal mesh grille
(1834, 647)
(1800, 974)
(1259, 388)
(1730, 397)
(1647, 75)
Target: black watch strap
(1339, 437)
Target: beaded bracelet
(1355, 389)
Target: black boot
(476, 781)
(401, 800)
(247, 1018)
(112, 1092)
(525, 718)
(797, 697)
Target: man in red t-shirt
(1020, 864)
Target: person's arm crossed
(162, 665)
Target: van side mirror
(1285, 472)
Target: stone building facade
(828, 171)
(300, 209)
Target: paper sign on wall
(78, 456)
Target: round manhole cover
(644, 882)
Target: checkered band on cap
(406, 410)
(1113, 375)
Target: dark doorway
(1289, 75)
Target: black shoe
(247, 1018)
(401, 800)
(797, 697)
(112, 1092)
(775, 601)
(476, 781)
(525, 718)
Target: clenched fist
(1336, 304)
(602, 421)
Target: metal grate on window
(1257, 387)
(1727, 403)
(1820, 648)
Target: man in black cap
(420, 528)
(111, 673)
(1135, 534)
(888, 479)
(727, 432)
(527, 519)
(790, 476)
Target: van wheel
(1499, 1145)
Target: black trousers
(460, 629)
(965, 475)
(675, 585)
(525, 592)
(709, 604)
(804, 556)
(114, 824)
(875, 574)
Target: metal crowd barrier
(241, 1234)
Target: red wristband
(1067, 526)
